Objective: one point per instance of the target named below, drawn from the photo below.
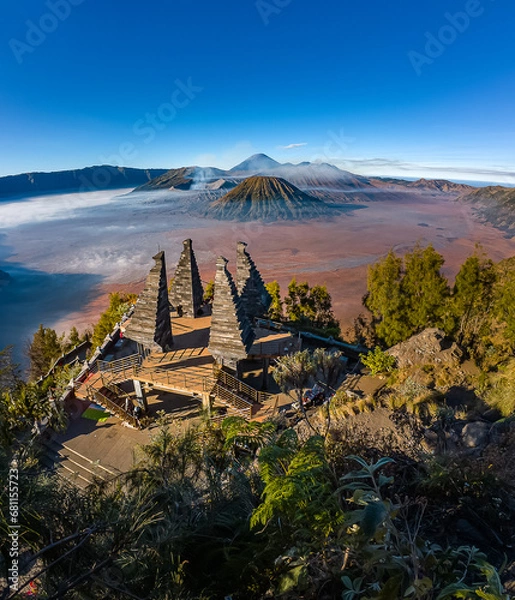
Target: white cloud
(399, 168)
(293, 146)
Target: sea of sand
(106, 244)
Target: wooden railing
(218, 418)
(228, 389)
(231, 398)
(114, 388)
(120, 365)
(239, 388)
(98, 397)
(180, 379)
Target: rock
(492, 415)
(428, 347)
(475, 435)
(501, 429)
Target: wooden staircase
(103, 388)
(72, 466)
(106, 395)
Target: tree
(504, 304)
(363, 331)
(424, 289)
(45, 348)
(320, 303)
(407, 296)
(209, 291)
(471, 303)
(119, 304)
(385, 301)
(297, 301)
(330, 364)
(298, 497)
(9, 373)
(275, 312)
(293, 372)
(311, 306)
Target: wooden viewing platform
(189, 369)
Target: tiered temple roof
(150, 324)
(187, 293)
(231, 334)
(251, 288)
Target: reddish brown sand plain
(335, 253)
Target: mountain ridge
(315, 178)
(97, 177)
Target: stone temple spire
(150, 324)
(231, 333)
(187, 293)
(251, 288)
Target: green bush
(378, 361)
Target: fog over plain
(65, 252)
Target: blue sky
(170, 83)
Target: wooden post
(266, 366)
(140, 395)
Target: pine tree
(297, 301)
(275, 312)
(119, 304)
(424, 289)
(320, 304)
(504, 300)
(45, 348)
(384, 299)
(472, 299)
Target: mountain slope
(184, 178)
(88, 179)
(267, 199)
(319, 175)
(436, 185)
(255, 164)
(495, 204)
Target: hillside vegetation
(403, 492)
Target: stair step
(73, 476)
(87, 460)
(72, 465)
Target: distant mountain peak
(256, 162)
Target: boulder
(475, 434)
(428, 347)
